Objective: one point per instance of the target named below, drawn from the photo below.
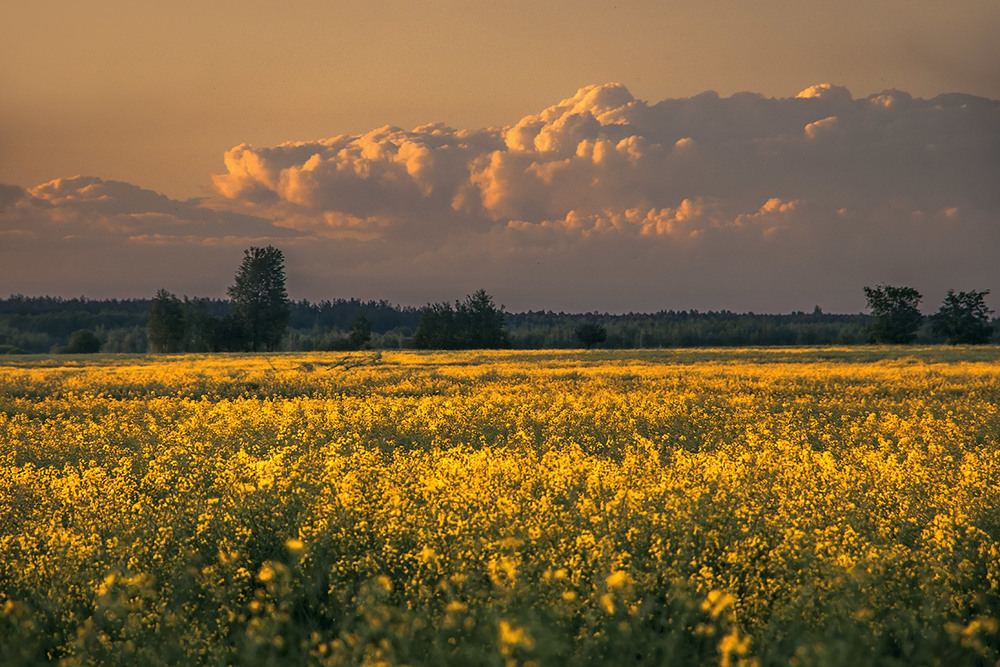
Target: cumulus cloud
(601, 196)
(821, 127)
(603, 150)
(826, 91)
(376, 180)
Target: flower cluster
(802, 506)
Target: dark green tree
(481, 323)
(590, 334)
(261, 307)
(963, 319)
(360, 335)
(166, 329)
(200, 326)
(83, 342)
(436, 329)
(476, 323)
(896, 313)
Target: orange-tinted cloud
(602, 150)
(107, 238)
(600, 196)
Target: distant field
(709, 506)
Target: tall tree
(897, 316)
(261, 307)
(963, 319)
(481, 322)
(360, 335)
(166, 329)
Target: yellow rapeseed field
(765, 506)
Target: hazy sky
(611, 201)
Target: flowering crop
(797, 506)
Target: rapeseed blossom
(794, 506)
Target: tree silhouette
(481, 323)
(436, 329)
(590, 334)
(360, 335)
(963, 319)
(897, 317)
(261, 308)
(166, 329)
(476, 323)
(83, 342)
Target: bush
(83, 342)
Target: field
(761, 506)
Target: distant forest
(48, 324)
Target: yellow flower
(512, 636)
(618, 579)
(717, 602)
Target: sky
(576, 156)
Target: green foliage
(83, 342)
(260, 301)
(690, 507)
(475, 324)
(44, 324)
(669, 328)
(361, 333)
(167, 327)
(589, 334)
(896, 312)
(437, 329)
(358, 337)
(963, 319)
(481, 322)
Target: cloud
(822, 127)
(371, 181)
(601, 150)
(85, 234)
(744, 202)
(826, 91)
(86, 206)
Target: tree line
(259, 316)
(962, 319)
(257, 321)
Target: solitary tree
(590, 334)
(166, 328)
(83, 342)
(963, 319)
(897, 317)
(360, 335)
(261, 307)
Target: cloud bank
(85, 235)
(600, 201)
